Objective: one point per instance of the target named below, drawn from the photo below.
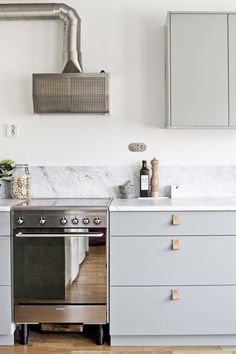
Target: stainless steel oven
(60, 262)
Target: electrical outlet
(137, 147)
(12, 130)
(177, 191)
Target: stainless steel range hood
(71, 91)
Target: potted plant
(6, 169)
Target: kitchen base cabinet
(172, 283)
(7, 327)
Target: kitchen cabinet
(232, 69)
(172, 277)
(197, 70)
(6, 325)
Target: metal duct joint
(72, 91)
(71, 43)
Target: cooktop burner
(64, 203)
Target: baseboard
(207, 340)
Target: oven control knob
(20, 220)
(97, 221)
(86, 221)
(42, 221)
(63, 221)
(75, 221)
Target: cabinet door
(5, 263)
(198, 70)
(232, 70)
(5, 310)
(4, 223)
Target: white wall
(126, 39)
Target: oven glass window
(60, 270)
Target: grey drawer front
(4, 223)
(200, 260)
(5, 310)
(150, 311)
(5, 272)
(160, 223)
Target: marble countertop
(160, 204)
(6, 204)
(167, 204)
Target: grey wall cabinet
(172, 284)
(197, 70)
(6, 325)
(232, 69)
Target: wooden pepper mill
(154, 179)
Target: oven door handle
(78, 234)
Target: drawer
(5, 263)
(161, 223)
(143, 311)
(5, 310)
(200, 260)
(4, 223)
(95, 314)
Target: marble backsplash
(103, 181)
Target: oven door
(59, 266)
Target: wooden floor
(84, 343)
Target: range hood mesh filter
(74, 93)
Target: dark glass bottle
(144, 180)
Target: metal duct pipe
(71, 43)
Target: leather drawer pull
(175, 294)
(175, 219)
(175, 245)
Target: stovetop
(51, 203)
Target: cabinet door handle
(175, 245)
(175, 219)
(175, 294)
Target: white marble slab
(167, 204)
(80, 181)
(104, 181)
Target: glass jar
(21, 182)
